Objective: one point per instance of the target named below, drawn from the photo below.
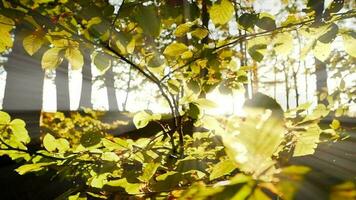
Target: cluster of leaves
(172, 45)
(73, 126)
(234, 158)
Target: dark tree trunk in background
(85, 97)
(24, 84)
(321, 79)
(110, 86)
(62, 85)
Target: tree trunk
(110, 86)
(321, 79)
(62, 85)
(24, 84)
(85, 97)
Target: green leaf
(32, 43)
(194, 111)
(148, 19)
(335, 124)
(266, 22)
(76, 197)
(19, 130)
(322, 50)
(141, 119)
(32, 167)
(110, 156)
(51, 58)
(102, 61)
(4, 118)
(14, 155)
(149, 170)
(221, 13)
(200, 33)
(6, 25)
(243, 192)
(350, 43)
(49, 142)
(222, 168)
(90, 139)
(173, 85)
(259, 138)
(247, 21)
(62, 145)
(205, 103)
(75, 58)
(183, 29)
(330, 35)
(130, 188)
(283, 43)
(307, 141)
(255, 52)
(175, 49)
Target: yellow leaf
(5, 40)
(182, 29)
(187, 55)
(175, 49)
(51, 58)
(49, 142)
(283, 43)
(61, 43)
(75, 58)
(350, 44)
(131, 46)
(6, 24)
(335, 124)
(322, 50)
(221, 13)
(32, 44)
(307, 141)
(200, 33)
(121, 47)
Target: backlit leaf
(350, 43)
(322, 50)
(222, 168)
(75, 58)
(19, 130)
(221, 13)
(200, 33)
(32, 43)
(307, 141)
(175, 49)
(141, 119)
(149, 170)
(51, 58)
(32, 167)
(266, 21)
(4, 118)
(283, 43)
(49, 142)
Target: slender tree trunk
(62, 85)
(321, 79)
(128, 91)
(286, 80)
(24, 84)
(110, 86)
(205, 19)
(296, 87)
(241, 45)
(306, 82)
(86, 93)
